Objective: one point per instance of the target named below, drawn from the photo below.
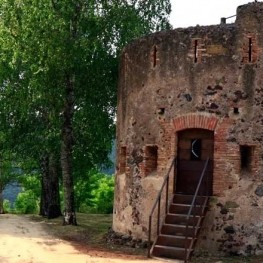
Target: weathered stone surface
(199, 78)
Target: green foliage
(94, 193)
(104, 194)
(26, 202)
(7, 206)
(31, 182)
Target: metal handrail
(191, 209)
(158, 201)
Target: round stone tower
(199, 86)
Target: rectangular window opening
(151, 158)
(236, 110)
(246, 156)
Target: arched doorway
(194, 147)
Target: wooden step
(169, 252)
(187, 199)
(184, 209)
(173, 241)
(181, 219)
(178, 230)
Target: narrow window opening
(246, 153)
(154, 56)
(250, 49)
(122, 160)
(236, 110)
(196, 147)
(151, 157)
(196, 51)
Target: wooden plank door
(194, 146)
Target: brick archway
(192, 120)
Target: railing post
(158, 218)
(149, 235)
(174, 172)
(167, 193)
(158, 203)
(193, 206)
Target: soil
(25, 240)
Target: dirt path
(26, 241)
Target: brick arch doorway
(194, 147)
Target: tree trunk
(50, 201)
(44, 186)
(66, 153)
(54, 198)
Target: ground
(32, 239)
(24, 239)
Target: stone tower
(200, 85)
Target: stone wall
(198, 77)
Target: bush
(94, 193)
(26, 203)
(7, 206)
(103, 195)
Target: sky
(187, 13)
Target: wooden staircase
(178, 233)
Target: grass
(91, 232)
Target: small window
(154, 56)
(250, 49)
(151, 157)
(196, 51)
(122, 160)
(196, 147)
(246, 154)
(236, 110)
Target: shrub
(7, 206)
(26, 203)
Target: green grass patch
(91, 231)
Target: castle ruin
(194, 93)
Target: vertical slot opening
(154, 56)
(151, 157)
(250, 49)
(195, 51)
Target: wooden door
(194, 146)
